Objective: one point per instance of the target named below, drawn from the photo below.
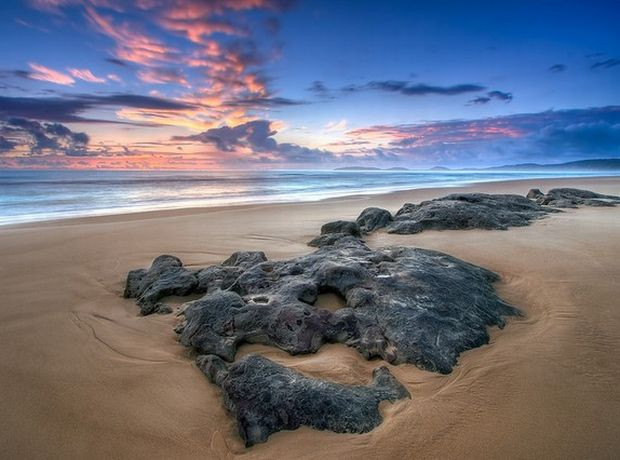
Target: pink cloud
(43, 73)
(86, 75)
(162, 75)
(114, 77)
(131, 45)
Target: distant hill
(439, 168)
(608, 164)
(369, 168)
(611, 164)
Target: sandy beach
(83, 376)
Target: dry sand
(82, 376)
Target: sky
(285, 84)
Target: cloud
(161, 75)
(29, 25)
(557, 68)
(334, 126)
(40, 72)
(262, 102)
(561, 135)
(319, 89)
(255, 134)
(225, 43)
(118, 62)
(69, 108)
(480, 100)
(418, 89)
(86, 75)
(114, 77)
(197, 20)
(593, 137)
(131, 44)
(6, 145)
(254, 140)
(498, 95)
(44, 137)
(605, 64)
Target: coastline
(83, 375)
(424, 192)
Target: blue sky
(195, 84)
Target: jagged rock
(245, 259)
(572, 198)
(266, 397)
(465, 211)
(371, 219)
(328, 239)
(166, 277)
(341, 226)
(162, 308)
(534, 193)
(405, 305)
(217, 277)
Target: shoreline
(190, 210)
(84, 376)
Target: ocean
(29, 196)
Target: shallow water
(27, 196)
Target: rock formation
(266, 397)
(405, 305)
(166, 277)
(466, 211)
(341, 226)
(371, 219)
(572, 198)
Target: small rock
(534, 193)
(328, 239)
(371, 219)
(341, 226)
(165, 277)
(162, 308)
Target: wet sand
(83, 376)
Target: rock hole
(260, 299)
(330, 301)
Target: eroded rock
(467, 211)
(165, 277)
(341, 226)
(266, 397)
(405, 305)
(572, 198)
(371, 219)
(328, 239)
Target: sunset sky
(227, 84)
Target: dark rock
(371, 219)
(534, 193)
(162, 308)
(217, 277)
(266, 397)
(405, 305)
(573, 197)
(341, 226)
(466, 211)
(245, 259)
(328, 239)
(166, 277)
